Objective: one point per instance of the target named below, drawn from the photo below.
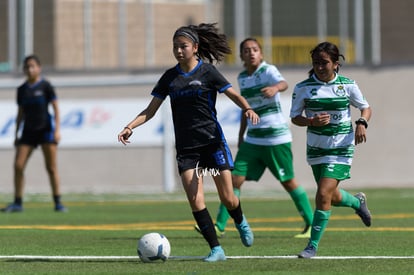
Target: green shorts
(330, 170)
(252, 160)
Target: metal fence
(136, 34)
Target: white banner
(96, 123)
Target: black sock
(236, 214)
(56, 199)
(18, 201)
(205, 223)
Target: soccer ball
(153, 247)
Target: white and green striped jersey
(272, 129)
(333, 143)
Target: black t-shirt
(193, 99)
(35, 99)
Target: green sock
(320, 221)
(348, 200)
(301, 200)
(223, 215)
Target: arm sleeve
(357, 99)
(161, 88)
(218, 81)
(51, 93)
(298, 103)
(274, 75)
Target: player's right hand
(124, 135)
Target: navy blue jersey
(34, 100)
(193, 99)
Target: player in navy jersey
(192, 86)
(39, 128)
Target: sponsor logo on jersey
(340, 91)
(195, 83)
(38, 93)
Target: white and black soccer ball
(152, 247)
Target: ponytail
(212, 45)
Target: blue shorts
(216, 156)
(35, 138)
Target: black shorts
(216, 156)
(34, 138)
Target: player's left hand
(57, 136)
(360, 134)
(252, 116)
(269, 91)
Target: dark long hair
(212, 45)
(329, 48)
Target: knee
(51, 170)
(18, 168)
(232, 202)
(237, 181)
(290, 185)
(323, 198)
(323, 194)
(336, 198)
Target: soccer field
(100, 232)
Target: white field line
(136, 258)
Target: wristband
(247, 109)
(362, 121)
(126, 127)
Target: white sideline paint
(127, 258)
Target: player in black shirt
(192, 86)
(39, 128)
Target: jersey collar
(200, 62)
(325, 83)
